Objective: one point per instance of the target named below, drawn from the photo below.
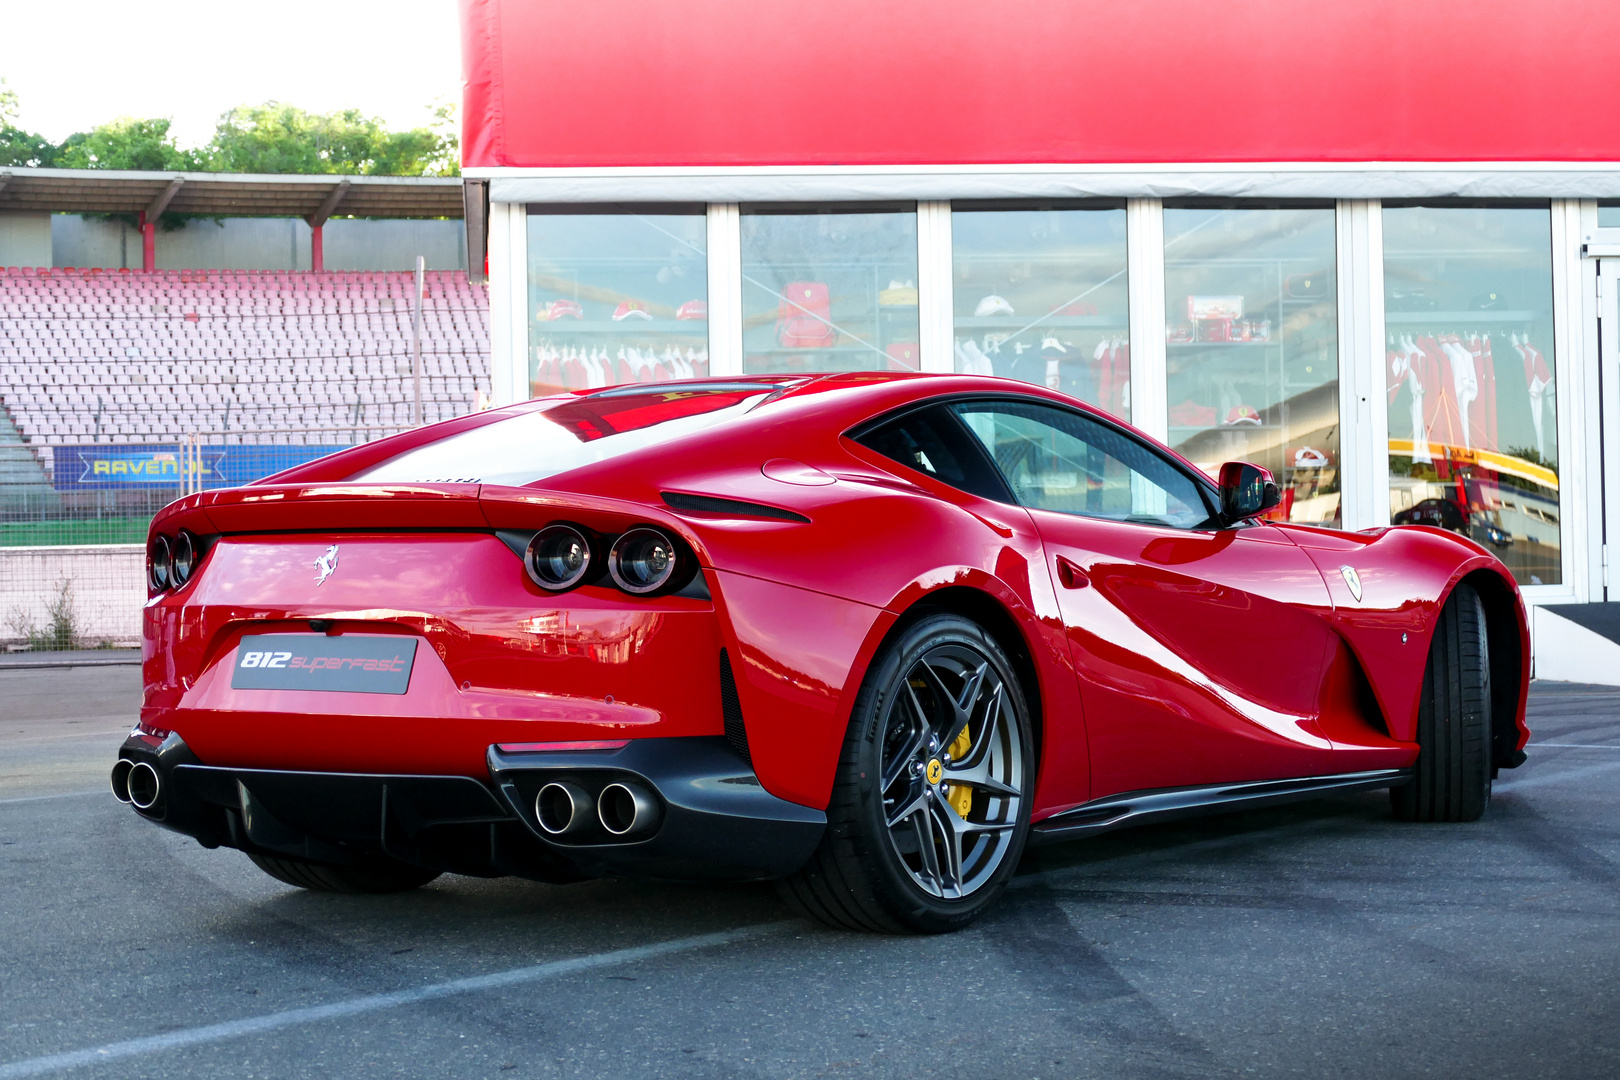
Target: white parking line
(256, 1025)
(63, 795)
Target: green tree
(269, 138)
(19, 147)
(126, 143)
(280, 138)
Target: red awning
(894, 82)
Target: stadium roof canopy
(314, 198)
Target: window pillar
(1144, 229)
(1363, 417)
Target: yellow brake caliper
(960, 796)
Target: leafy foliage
(279, 138)
(126, 143)
(19, 147)
(269, 138)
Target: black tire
(375, 878)
(890, 868)
(1452, 780)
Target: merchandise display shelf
(845, 350)
(1462, 318)
(1056, 322)
(692, 327)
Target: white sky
(79, 63)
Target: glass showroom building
(1368, 248)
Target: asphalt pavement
(1317, 940)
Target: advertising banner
(114, 467)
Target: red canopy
(894, 82)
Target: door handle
(1071, 575)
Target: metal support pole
(148, 243)
(317, 256)
(416, 336)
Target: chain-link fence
(73, 521)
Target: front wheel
(1452, 779)
(930, 806)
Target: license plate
(358, 663)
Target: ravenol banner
(121, 466)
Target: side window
(1054, 459)
(932, 442)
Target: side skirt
(1167, 804)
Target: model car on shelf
(865, 634)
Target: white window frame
(1601, 283)
(509, 303)
(1363, 407)
(1363, 410)
(1576, 397)
(724, 253)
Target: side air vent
(731, 709)
(711, 504)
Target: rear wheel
(1452, 780)
(930, 807)
(379, 877)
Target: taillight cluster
(643, 561)
(170, 561)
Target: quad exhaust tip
(144, 785)
(120, 779)
(562, 808)
(627, 810)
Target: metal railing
(214, 459)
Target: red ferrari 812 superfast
(866, 634)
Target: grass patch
(131, 530)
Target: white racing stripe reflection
(257, 1025)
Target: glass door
(1609, 422)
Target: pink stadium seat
(172, 352)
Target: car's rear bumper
(711, 820)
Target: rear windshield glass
(572, 433)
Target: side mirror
(1246, 491)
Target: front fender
(1406, 574)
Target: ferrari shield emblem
(1352, 580)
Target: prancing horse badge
(1352, 579)
(326, 566)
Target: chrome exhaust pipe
(144, 785)
(627, 809)
(562, 808)
(120, 779)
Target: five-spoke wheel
(930, 809)
(951, 770)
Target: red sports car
(866, 634)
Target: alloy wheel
(951, 771)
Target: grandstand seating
(131, 356)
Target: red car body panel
(1161, 657)
(1406, 574)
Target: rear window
(571, 434)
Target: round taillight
(558, 558)
(157, 562)
(182, 558)
(643, 560)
